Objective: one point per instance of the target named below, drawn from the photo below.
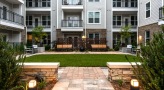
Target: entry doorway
(74, 39)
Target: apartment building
(69, 21)
(12, 14)
(150, 19)
(41, 13)
(121, 13)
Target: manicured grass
(81, 60)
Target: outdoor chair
(28, 50)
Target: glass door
(4, 12)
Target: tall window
(46, 21)
(45, 3)
(28, 21)
(116, 3)
(133, 3)
(29, 3)
(147, 9)
(134, 21)
(94, 0)
(147, 37)
(94, 17)
(94, 35)
(117, 21)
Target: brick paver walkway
(82, 78)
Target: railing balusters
(72, 23)
(11, 16)
(72, 2)
(39, 23)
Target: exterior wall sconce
(32, 85)
(140, 39)
(134, 84)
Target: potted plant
(38, 34)
(125, 34)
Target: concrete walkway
(83, 78)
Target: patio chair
(28, 50)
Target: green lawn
(81, 60)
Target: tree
(38, 34)
(10, 67)
(125, 33)
(151, 71)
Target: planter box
(41, 49)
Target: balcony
(16, 1)
(38, 5)
(11, 19)
(33, 24)
(72, 25)
(119, 25)
(72, 5)
(125, 5)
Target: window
(45, 3)
(133, 3)
(116, 3)
(28, 21)
(94, 0)
(29, 3)
(117, 20)
(147, 37)
(147, 9)
(134, 21)
(94, 35)
(94, 17)
(46, 21)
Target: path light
(134, 84)
(32, 85)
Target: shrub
(10, 67)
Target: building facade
(150, 19)
(12, 26)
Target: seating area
(64, 47)
(32, 49)
(98, 47)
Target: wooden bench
(98, 46)
(64, 46)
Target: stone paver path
(82, 78)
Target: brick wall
(120, 71)
(151, 27)
(49, 71)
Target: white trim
(94, 12)
(146, 10)
(105, 15)
(57, 15)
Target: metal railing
(71, 2)
(123, 23)
(38, 4)
(72, 23)
(129, 4)
(40, 23)
(161, 13)
(11, 16)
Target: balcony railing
(123, 23)
(11, 16)
(161, 13)
(71, 2)
(128, 4)
(32, 24)
(38, 4)
(72, 23)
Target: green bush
(151, 71)
(10, 67)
